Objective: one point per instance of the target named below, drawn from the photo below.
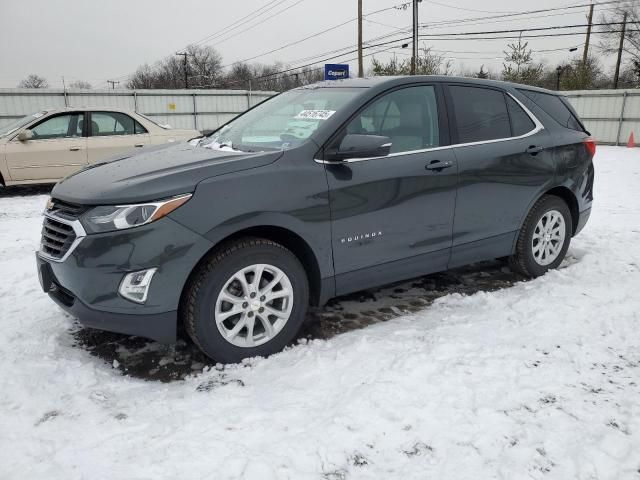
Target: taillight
(590, 145)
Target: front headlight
(118, 217)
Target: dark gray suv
(317, 192)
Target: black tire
(523, 261)
(206, 284)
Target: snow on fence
(199, 109)
(610, 115)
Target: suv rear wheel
(544, 239)
(249, 299)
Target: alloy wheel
(254, 305)
(548, 238)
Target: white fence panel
(610, 115)
(200, 109)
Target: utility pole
(617, 75)
(113, 83)
(585, 53)
(186, 68)
(414, 55)
(360, 67)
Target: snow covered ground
(537, 379)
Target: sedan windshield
(282, 122)
(9, 128)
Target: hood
(153, 173)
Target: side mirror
(362, 146)
(25, 135)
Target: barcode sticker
(314, 114)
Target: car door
(504, 160)
(56, 149)
(392, 216)
(113, 133)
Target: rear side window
(521, 123)
(113, 123)
(481, 114)
(555, 108)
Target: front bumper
(86, 283)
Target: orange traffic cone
(631, 143)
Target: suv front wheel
(249, 299)
(544, 238)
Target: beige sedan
(47, 146)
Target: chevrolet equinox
(317, 192)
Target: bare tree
(427, 63)
(34, 81)
(204, 70)
(80, 84)
(578, 76)
(610, 34)
(630, 75)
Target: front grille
(57, 238)
(69, 211)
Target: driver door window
(409, 117)
(61, 126)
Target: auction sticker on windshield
(314, 114)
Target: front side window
(9, 128)
(481, 114)
(409, 117)
(282, 122)
(61, 126)
(113, 123)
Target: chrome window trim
(78, 230)
(538, 128)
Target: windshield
(9, 128)
(282, 122)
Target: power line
(317, 34)
(237, 23)
(260, 22)
(450, 36)
(462, 8)
(314, 35)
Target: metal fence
(610, 115)
(199, 109)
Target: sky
(98, 41)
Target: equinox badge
(362, 236)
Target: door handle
(139, 145)
(533, 150)
(74, 149)
(438, 165)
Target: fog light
(135, 285)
